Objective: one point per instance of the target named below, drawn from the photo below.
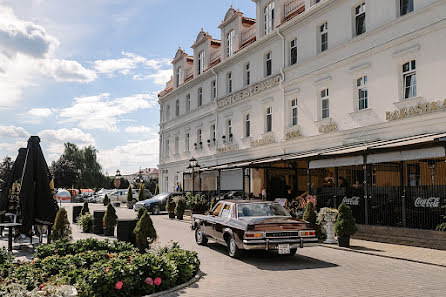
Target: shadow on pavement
(362, 248)
(269, 261)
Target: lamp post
(117, 181)
(192, 169)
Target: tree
(85, 208)
(64, 172)
(345, 225)
(151, 184)
(110, 219)
(141, 194)
(129, 194)
(5, 171)
(310, 216)
(106, 200)
(61, 228)
(145, 232)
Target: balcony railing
(248, 35)
(215, 56)
(293, 8)
(188, 74)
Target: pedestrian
(263, 192)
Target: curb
(382, 256)
(184, 221)
(195, 279)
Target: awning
(418, 154)
(337, 162)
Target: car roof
(246, 201)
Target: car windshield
(261, 210)
(160, 196)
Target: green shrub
(141, 212)
(5, 262)
(61, 228)
(129, 194)
(141, 191)
(110, 219)
(106, 200)
(170, 205)
(345, 225)
(86, 223)
(144, 232)
(180, 206)
(310, 215)
(85, 209)
(198, 203)
(442, 226)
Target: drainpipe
(283, 80)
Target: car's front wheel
(233, 250)
(200, 238)
(156, 209)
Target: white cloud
(142, 130)
(66, 70)
(13, 132)
(101, 112)
(131, 156)
(40, 112)
(161, 77)
(54, 140)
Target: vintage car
(244, 225)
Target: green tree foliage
(141, 212)
(345, 225)
(85, 209)
(310, 215)
(5, 170)
(106, 200)
(61, 228)
(170, 205)
(141, 194)
(129, 194)
(144, 232)
(180, 206)
(151, 184)
(110, 219)
(64, 172)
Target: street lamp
(117, 181)
(192, 169)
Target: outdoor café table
(10, 226)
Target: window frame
(201, 62)
(411, 72)
(268, 18)
(178, 76)
(294, 113)
(325, 97)
(247, 125)
(167, 147)
(199, 137)
(188, 102)
(360, 12)
(268, 64)
(213, 90)
(213, 133)
(200, 97)
(361, 86)
(410, 7)
(229, 130)
(293, 47)
(187, 139)
(177, 108)
(269, 119)
(323, 30)
(247, 74)
(230, 37)
(229, 85)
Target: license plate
(284, 249)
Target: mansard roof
(202, 36)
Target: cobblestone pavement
(316, 271)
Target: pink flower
(41, 286)
(149, 281)
(157, 281)
(56, 251)
(107, 269)
(119, 285)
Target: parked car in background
(157, 203)
(244, 225)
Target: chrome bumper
(272, 244)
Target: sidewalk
(402, 252)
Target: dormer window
(179, 76)
(230, 43)
(268, 17)
(201, 60)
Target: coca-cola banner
(352, 201)
(432, 202)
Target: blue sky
(89, 72)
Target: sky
(88, 72)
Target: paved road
(315, 271)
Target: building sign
(416, 110)
(325, 129)
(249, 91)
(292, 135)
(432, 202)
(226, 149)
(353, 201)
(263, 141)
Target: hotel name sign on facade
(416, 110)
(249, 91)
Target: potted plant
(61, 228)
(86, 223)
(170, 207)
(345, 225)
(144, 232)
(329, 216)
(130, 201)
(180, 207)
(110, 221)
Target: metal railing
(294, 7)
(248, 35)
(215, 56)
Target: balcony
(248, 36)
(293, 8)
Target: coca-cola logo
(354, 201)
(431, 202)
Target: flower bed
(103, 268)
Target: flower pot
(344, 241)
(171, 215)
(180, 217)
(109, 231)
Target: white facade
(390, 41)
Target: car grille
(282, 234)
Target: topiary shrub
(345, 225)
(310, 215)
(129, 194)
(180, 207)
(170, 207)
(144, 232)
(85, 209)
(61, 228)
(106, 200)
(141, 212)
(85, 222)
(141, 191)
(110, 220)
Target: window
(167, 148)
(229, 83)
(409, 80)
(361, 85)
(269, 119)
(177, 145)
(225, 213)
(268, 14)
(247, 126)
(213, 89)
(177, 108)
(406, 6)
(200, 97)
(199, 141)
(324, 37)
(294, 112)
(217, 209)
(188, 102)
(247, 75)
(213, 135)
(360, 19)
(293, 52)
(187, 142)
(179, 75)
(230, 44)
(201, 61)
(325, 104)
(229, 129)
(168, 112)
(268, 64)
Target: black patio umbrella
(16, 174)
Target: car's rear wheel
(233, 250)
(200, 238)
(156, 209)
